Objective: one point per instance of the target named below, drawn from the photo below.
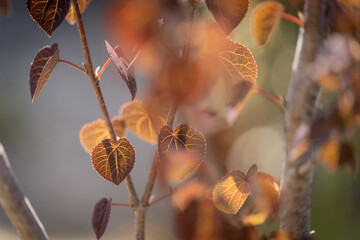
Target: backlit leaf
(140, 119)
(184, 141)
(49, 14)
(265, 18)
(93, 133)
(41, 68)
(113, 162)
(70, 17)
(228, 13)
(254, 219)
(232, 190)
(101, 216)
(122, 67)
(4, 7)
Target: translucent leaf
(254, 219)
(189, 192)
(41, 68)
(174, 145)
(113, 162)
(93, 133)
(228, 14)
(265, 18)
(101, 216)
(70, 17)
(49, 14)
(4, 7)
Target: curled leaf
(101, 216)
(42, 66)
(48, 14)
(70, 17)
(113, 161)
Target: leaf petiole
(73, 65)
(275, 99)
(103, 68)
(121, 204)
(293, 19)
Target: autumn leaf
(113, 162)
(181, 151)
(48, 14)
(4, 7)
(122, 67)
(41, 68)
(190, 191)
(101, 216)
(141, 120)
(93, 133)
(70, 17)
(265, 19)
(232, 190)
(228, 13)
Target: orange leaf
(140, 119)
(182, 150)
(232, 190)
(254, 219)
(93, 133)
(113, 162)
(70, 17)
(265, 18)
(189, 192)
(42, 66)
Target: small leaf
(254, 219)
(5, 7)
(265, 18)
(122, 67)
(140, 119)
(228, 13)
(49, 14)
(42, 66)
(101, 216)
(113, 162)
(232, 190)
(92, 133)
(70, 17)
(184, 140)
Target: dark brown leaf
(5, 7)
(41, 68)
(101, 216)
(49, 14)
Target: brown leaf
(101, 216)
(42, 66)
(5, 7)
(70, 17)
(265, 19)
(228, 14)
(190, 191)
(49, 14)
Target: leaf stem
(104, 67)
(191, 11)
(275, 99)
(95, 83)
(73, 65)
(121, 204)
(161, 198)
(292, 18)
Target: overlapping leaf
(232, 190)
(123, 68)
(182, 150)
(4, 7)
(41, 68)
(228, 13)
(49, 14)
(70, 17)
(113, 161)
(142, 121)
(265, 18)
(101, 216)
(93, 133)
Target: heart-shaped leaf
(228, 13)
(265, 18)
(182, 149)
(123, 68)
(144, 122)
(113, 162)
(101, 216)
(49, 14)
(232, 190)
(70, 17)
(42, 66)
(93, 133)
(4, 7)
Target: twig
(73, 65)
(275, 99)
(161, 198)
(121, 204)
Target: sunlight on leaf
(41, 68)
(265, 19)
(49, 14)
(113, 162)
(70, 17)
(101, 216)
(93, 133)
(254, 219)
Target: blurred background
(42, 139)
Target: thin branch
(104, 67)
(121, 204)
(91, 75)
(275, 99)
(191, 11)
(16, 205)
(292, 18)
(73, 65)
(161, 198)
